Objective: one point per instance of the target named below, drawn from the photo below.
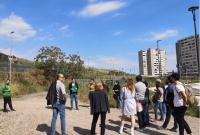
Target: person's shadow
(82, 131)
(45, 128)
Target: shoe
(132, 131)
(5, 110)
(13, 110)
(161, 128)
(173, 129)
(121, 130)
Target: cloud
(115, 15)
(64, 28)
(22, 30)
(117, 33)
(169, 33)
(111, 62)
(95, 9)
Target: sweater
(6, 90)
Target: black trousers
(94, 122)
(179, 115)
(7, 100)
(141, 120)
(168, 116)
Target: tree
(51, 60)
(75, 68)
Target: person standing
(158, 100)
(105, 86)
(57, 98)
(146, 107)
(73, 88)
(168, 95)
(128, 104)
(141, 88)
(180, 104)
(99, 106)
(7, 96)
(91, 87)
(116, 94)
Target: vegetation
(51, 60)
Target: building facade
(186, 53)
(142, 55)
(153, 62)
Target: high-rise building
(186, 53)
(153, 62)
(142, 55)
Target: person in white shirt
(180, 104)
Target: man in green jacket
(7, 95)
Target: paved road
(33, 118)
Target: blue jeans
(158, 105)
(72, 98)
(117, 100)
(58, 108)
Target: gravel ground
(33, 118)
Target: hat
(158, 80)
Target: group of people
(133, 99)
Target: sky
(105, 33)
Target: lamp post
(158, 55)
(10, 58)
(193, 9)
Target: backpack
(189, 94)
(169, 97)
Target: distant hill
(16, 60)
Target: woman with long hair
(128, 104)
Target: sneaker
(132, 131)
(173, 129)
(161, 128)
(13, 110)
(5, 110)
(121, 130)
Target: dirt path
(33, 118)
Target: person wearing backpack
(56, 97)
(168, 97)
(73, 88)
(180, 104)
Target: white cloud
(95, 9)
(5, 50)
(22, 30)
(164, 34)
(64, 28)
(117, 33)
(111, 62)
(118, 15)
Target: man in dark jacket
(99, 106)
(73, 89)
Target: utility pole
(193, 9)
(10, 58)
(159, 61)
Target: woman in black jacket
(99, 106)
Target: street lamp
(10, 58)
(159, 61)
(193, 9)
